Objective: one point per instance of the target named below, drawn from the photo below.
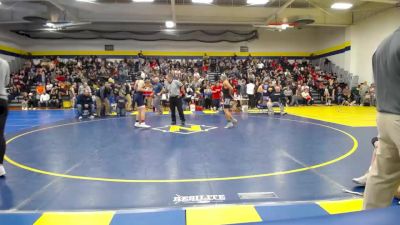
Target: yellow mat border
(35, 170)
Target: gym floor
(57, 163)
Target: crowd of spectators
(64, 82)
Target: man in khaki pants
(102, 99)
(384, 177)
(128, 91)
(4, 81)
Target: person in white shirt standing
(4, 81)
(260, 66)
(44, 99)
(250, 89)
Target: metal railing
(343, 75)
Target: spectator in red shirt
(216, 95)
(60, 77)
(235, 82)
(205, 68)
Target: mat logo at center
(189, 129)
(179, 199)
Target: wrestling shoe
(2, 170)
(235, 122)
(144, 125)
(362, 181)
(229, 125)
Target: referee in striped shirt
(176, 90)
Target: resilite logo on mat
(188, 129)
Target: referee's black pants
(3, 118)
(176, 102)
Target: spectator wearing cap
(84, 103)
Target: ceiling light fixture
(341, 5)
(257, 2)
(88, 1)
(202, 1)
(49, 24)
(51, 29)
(170, 24)
(284, 26)
(143, 0)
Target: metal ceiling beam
(173, 11)
(63, 9)
(278, 11)
(327, 25)
(54, 3)
(57, 5)
(319, 7)
(383, 1)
